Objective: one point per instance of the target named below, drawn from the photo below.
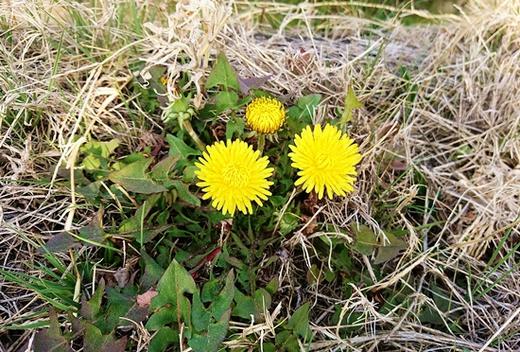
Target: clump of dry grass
(440, 128)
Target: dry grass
(452, 120)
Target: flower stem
(187, 125)
(261, 142)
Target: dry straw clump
(453, 118)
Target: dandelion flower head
(233, 176)
(265, 115)
(326, 158)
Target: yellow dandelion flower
(265, 115)
(233, 175)
(327, 159)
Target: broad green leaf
(152, 271)
(51, 338)
(91, 308)
(188, 175)
(95, 341)
(119, 303)
(287, 342)
(391, 249)
(301, 114)
(211, 340)
(97, 154)
(351, 103)
(92, 232)
(226, 100)
(288, 223)
(222, 302)
(309, 102)
(210, 290)
(184, 193)
(156, 73)
(269, 347)
(172, 287)
(200, 316)
(132, 177)
(180, 149)
(313, 274)
(222, 74)
(272, 286)
(180, 105)
(161, 317)
(163, 168)
(135, 223)
(104, 149)
(366, 239)
(244, 306)
(162, 339)
(299, 321)
(91, 191)
(234, 127)
(262, 300)
(430, 315)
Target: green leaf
(51, 339)
(104, 149)
(95, 341)
(184, 193)
(222, 74)
(269, 347)
(287, 341)
(309, 102)
(162, 339)
(135, 225)
(299, 321)
(226, 100)
(210, 290)
(92, 232)
(391, 249)
(178, 148)
(161, 317)
(288, 223)
(132, 177)
(235, 126)
(351, 103)
(222, 302)
(244, 306)
(163, 168)
(301, 114)
(90, 191)
(272, 286)
(188, 174)
(180, 105)
(200, 317)
(172, 287)
(152, 271)
(97, 154)
(262, 300)
(118, 306)
(211, 340)
(91, 308)
(366, 239)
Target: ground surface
(422, 256)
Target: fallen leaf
(252, 82)
(61, 242)
(145, 299)
(122, 275)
